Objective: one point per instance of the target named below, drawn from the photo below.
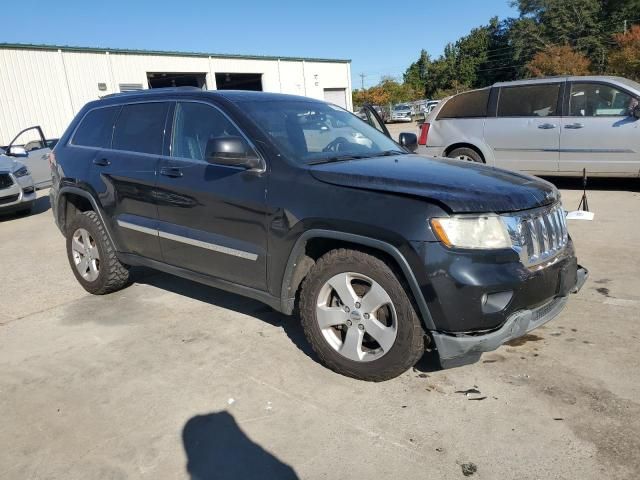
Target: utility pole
(362, 75)
(625, 26)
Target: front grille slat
(541, 235)
(5, 180)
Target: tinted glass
(194, 125)
(598, 100)
(96, 128)
(140, 128)
(529, 101)
(466, 105)
(308, 131)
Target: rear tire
(351, 334)
(465, 154)
(92, 257)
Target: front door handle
(102, 162)
(172, 172)
(547, 126)
(574, 126)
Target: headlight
(21, 172)
(482, 232)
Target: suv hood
(462, 187)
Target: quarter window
(140, 128)
(529, 101)
(96, 128)
(194, 125)
(466, 105)
(598, 100)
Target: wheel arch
(72, 200)
(471, 146)
(300, 263)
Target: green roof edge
(68, 48)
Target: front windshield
(401, 107)
(313, 132)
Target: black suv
(304, 206)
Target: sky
(380, 38)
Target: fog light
(495, 302)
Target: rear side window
(529, 101)
(96, 128)
(466, 105)
(140, 128)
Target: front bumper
(456, 350)
(400, 118)
(19, 196)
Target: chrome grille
(539, 235)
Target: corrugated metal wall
(48, 87)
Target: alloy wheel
(86, 256)
(356, 317)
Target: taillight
(424, 132)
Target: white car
(549, 126)
(401, 113)
(17, 191)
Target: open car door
(373, 119)
(34, 153)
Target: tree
(562, 60)
(625, 59)
(416, 74)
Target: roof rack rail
(145, 91)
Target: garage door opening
(337, 96)
(173, 79)
(239, 81)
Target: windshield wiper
(388, 153)
(336, 158)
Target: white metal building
(47, 85)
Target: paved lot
(168, 375)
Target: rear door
(524, 134)
(125, 175)
(598, 134)
(212, 218)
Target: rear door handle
(172, 172)
(574, 126)
(546, 126)
(102, 162)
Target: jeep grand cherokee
(298, 203)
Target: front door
(599, 134)
(374, 120)
(525, 133)
(211, 217)
(37, 151)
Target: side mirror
(409, 141)
(232, 151)
(17, 152)
(635, 112)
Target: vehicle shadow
(217, 448)
(231, 301)
(246, 306)
(596, 183)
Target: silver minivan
(548, 126)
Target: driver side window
(598, 100)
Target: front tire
(358, 317)
(92, 257)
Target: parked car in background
(32, 149)
(303, 206)
(401, 113)
(17, 191)
(548, 126)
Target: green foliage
(546, 33)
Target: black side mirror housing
(232, 151)
(409, 141)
